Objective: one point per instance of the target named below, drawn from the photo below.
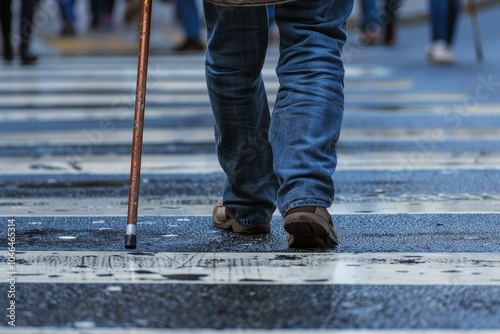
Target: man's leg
(308, 113)
(236, 46)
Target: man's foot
(440, 52)
(223, 219)
(310, 227)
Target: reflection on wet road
(258, 268)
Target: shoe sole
(307, 230)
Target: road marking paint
(125, 111)
(177, 85)
(195, 163)
(157, 73)
(478, 269)
(113, 100)
(96, 137)
(186, 206)
(120, 113)
(160, 72)
(107, 135)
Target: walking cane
(475, 30)
(140, 105)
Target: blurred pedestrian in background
(379, 24)
(132, 11)
(443, 19)
(189, 16)
(68, 16)
(25, 30)
(102, 13)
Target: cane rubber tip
(130, 241)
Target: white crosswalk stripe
(266, 268)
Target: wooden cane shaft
(140, 102)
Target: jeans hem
(325, 203)
(247, 222)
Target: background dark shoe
(190, 45)
(8, 52)
(389, 34)
(68, 31)
(310, 227)
(28, 59)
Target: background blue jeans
(444, 14)
(67, 8)
(188, 13)
(287, 159)
(375, 18)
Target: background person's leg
(190, 20)
(389, 19)
(67, 11)
(6, 24)
(438, 10)
(442, 25)
(370, 20)
(27, 12)
(453, 11)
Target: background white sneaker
(440, 52)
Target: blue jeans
(67, 8)
(287, 159)
(188, 13)
(444, 14)
(370, 15)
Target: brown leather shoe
(222, 218)
(310, 227)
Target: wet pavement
(417, 208)
(360, 232)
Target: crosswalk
(417, 211)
